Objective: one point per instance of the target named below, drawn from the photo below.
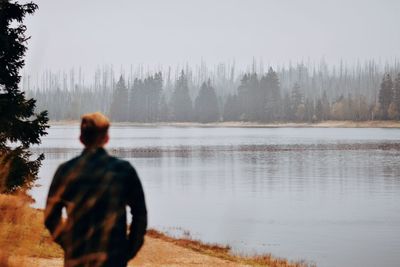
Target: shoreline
(243, 124)
(25, 242)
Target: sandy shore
(155, 252)
(241, 124)
(162, 250)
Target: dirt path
(155, 252)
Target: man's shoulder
(67, 164)
(121, 163)
(110, 162)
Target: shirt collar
(94, 150)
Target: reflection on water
(331, 196)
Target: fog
(158, 32)
(231, 111)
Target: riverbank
(25, 242)
(243, 124)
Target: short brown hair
(94, 127)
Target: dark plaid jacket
(95, 189)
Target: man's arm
(136, 202)
(54, 206)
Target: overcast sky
(69, 33)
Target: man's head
(94, 130)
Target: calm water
(328, 196)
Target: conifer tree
(271, 96)
(297, 102)
(386, 95)
(19, 124)
(231, 109)
(244, 97)
(396, 94)
(119, 104)
(287, 108)
(164, 109)
(157, 87)
(206, 104)
(256, 106)
(136, 103)
(319, 110)
(251, 98)
(326, 107)
(309, 110)
(181, 103)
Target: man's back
(95, 189)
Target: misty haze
(263, 132)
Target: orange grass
(224, 252)
(22, 231)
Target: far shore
(244, 124)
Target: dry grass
(224, 252)
(22, 232)
(7, 260)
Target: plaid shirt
(95, 189)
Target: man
(95, 188)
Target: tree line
(294, 94)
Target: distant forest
(300, 93)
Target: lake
(325, 195)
